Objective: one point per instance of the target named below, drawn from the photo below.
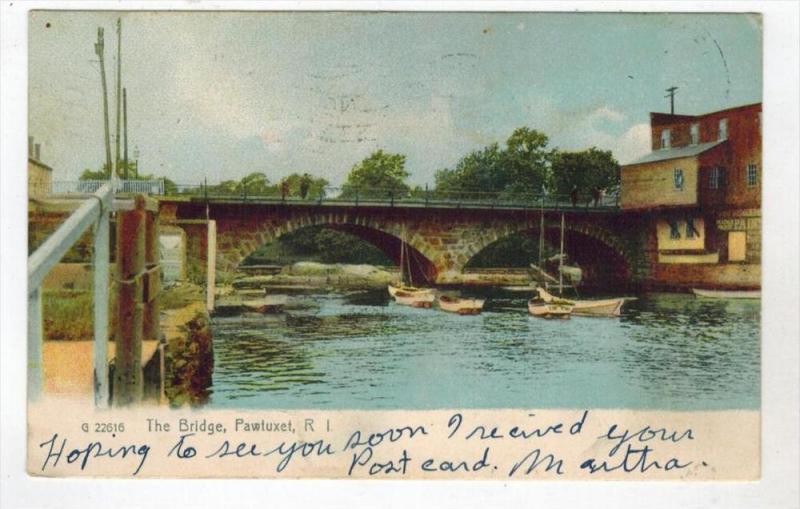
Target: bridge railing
(94, 211)
(344, 195)
(73, 187)
(392, 197)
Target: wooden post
(125, 132)
(151, 323)
(211, 264)
(130, 266)
(98, 49)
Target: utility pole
(119, 79)
(125, 132)
(98, 49)
(671, 94)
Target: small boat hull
(601, 307)
(461, 306)
(549, 310)
(727, 294)
(409, 290)
(606, 307)
(414, 300)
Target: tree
(93, 175)
(380, 175)
(587, 171)
(528, 161)
(255, 183)
(478, 171)
(520, 168)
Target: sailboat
(599, 307)
(596, 307)
(408, 294)
(554, 308)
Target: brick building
(700, 189)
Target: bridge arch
(239, 239)
(596, 249)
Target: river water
(362, 351)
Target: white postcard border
(780, 347)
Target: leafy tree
(93, 175)
(226, 187)
(255, 183)
(316, 185)
(478, 171)
(588, 171)
(340, 247)
(520, 168)
(380, 175)
(528, 161)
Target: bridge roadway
(605, 207)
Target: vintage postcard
(395, 245)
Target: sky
(220, 95)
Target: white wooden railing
(92, 212)
(61, 187)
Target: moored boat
(727, 294)
(393, 289)
(460, 306)
(415, 300)
(541, 309)
(598, 307)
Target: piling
(131, 254)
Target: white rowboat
(423, 300)
(460, 306)
(393, 289)
(600, 307)
(541, 309)
(728, 294)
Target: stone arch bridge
(441, 240)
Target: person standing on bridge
(284, 189)
(596, 195)
(305, 184)
(573, 195)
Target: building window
(694, 133)
(752, 175)
(714, 178)
(665, 139)
(723, 129)
(674, 230)
(691, 231)
(677, 179)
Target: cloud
(634, 143)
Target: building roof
(676, 153)
(39, 164)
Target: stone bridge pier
(441, 242)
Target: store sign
(739, 223)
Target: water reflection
(359, 350)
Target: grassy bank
(68, 315)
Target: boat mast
(408, 262)
(402, 261)
(561, 260)
(541, 235)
